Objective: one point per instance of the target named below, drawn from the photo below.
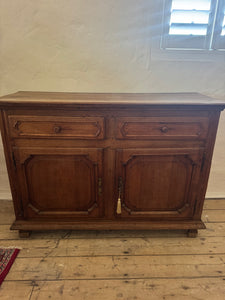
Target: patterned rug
(7, 257)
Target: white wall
(105, 46)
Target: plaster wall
(101, 46)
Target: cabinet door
(60, 183)
(157, 183)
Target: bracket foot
(24, 233)
(192, 233)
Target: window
(223, 26)
(194, 24)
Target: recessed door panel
(61, 183)
(157, 182)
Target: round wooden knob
(57, 129)
(164, 129)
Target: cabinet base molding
(107, 225)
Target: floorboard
(114, 265)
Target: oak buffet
(108, 161)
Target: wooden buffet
(108, 161)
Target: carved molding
(156, 212)
(99, 128)
(197, 131)
(16, 125)
(93, 129)
(25, 157)
(61, 212)
(180, 158)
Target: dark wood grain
(162, 128)
(56, 127)
(159, 183)
(73, 158)
(60, 182)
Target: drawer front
(61, 127)
(161, 128)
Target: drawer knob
(164, 129)
(57, 129)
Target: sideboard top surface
(27, 98)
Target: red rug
(7, 257)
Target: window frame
(213, 40)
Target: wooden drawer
(161, 128)
(61, 127)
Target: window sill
(187, 55)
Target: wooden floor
(117, 265)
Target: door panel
(158, 182)
(60, 182)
